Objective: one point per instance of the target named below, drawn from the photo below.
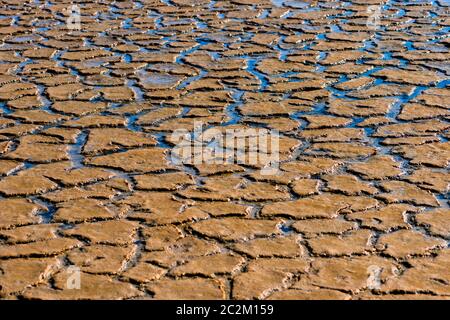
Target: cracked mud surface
(359, 210)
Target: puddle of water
(42, 29)
(387, 56)
(5, 109)
(396, 108)
(339, 93)
(297, 4)
(15, 19)
(189, 80)
(146, 78)
(251, 64)
(400, 13)
(23, 39)
(161, 140)
(201, 25)
(443, 84)
(46, 215)
(231, 110)
(286, 228)
(282, 52)
(167, 2)
(409, 46)
(264, 14)
(127, 24)
(127, 58)
(417, 91)
(321, 36)
(47, 103)
(138, 93)
(183, 54)
(278, 3)
(322, 55)
(355, 122)
(75, 151)
(320, 68)
(335, 28)
(131, 122)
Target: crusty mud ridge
(241, 149)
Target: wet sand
(93, 206)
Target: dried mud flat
(360, 209)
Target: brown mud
(359, 209)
